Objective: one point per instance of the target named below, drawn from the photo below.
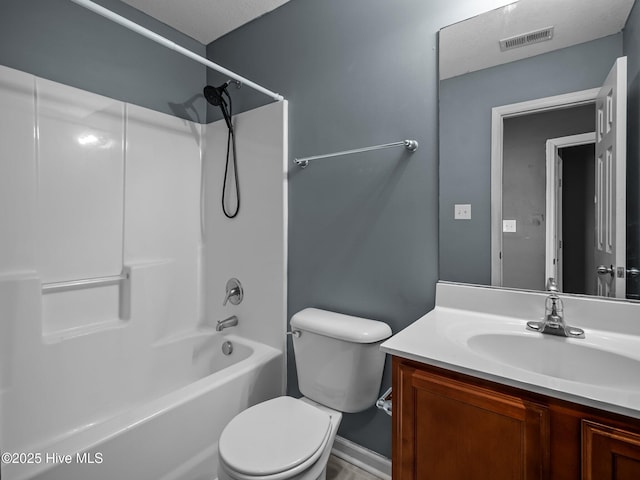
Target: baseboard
(363, 458)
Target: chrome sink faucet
(553, 323)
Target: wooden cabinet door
(609, 453)
(447, 429)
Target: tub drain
(227, 348)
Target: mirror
(526, 67)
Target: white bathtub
(192, 393)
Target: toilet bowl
(339, 365)
(284, 438)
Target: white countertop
(448, 337)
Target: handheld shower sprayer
(215, 96)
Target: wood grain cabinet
(609, 453)
(449, 426)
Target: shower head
(214, 94)
(215, 98)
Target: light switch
(508, 226)
(462, 212)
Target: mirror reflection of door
(524, 190)
(610, 195)
(570, 236)
(573, 227)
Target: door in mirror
(610, 177)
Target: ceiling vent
(537, 36)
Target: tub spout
(232, 321)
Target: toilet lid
(273, 436)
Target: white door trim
(553, 145)
(498, 114)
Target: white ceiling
(205, 20)
(473, 44)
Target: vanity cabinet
(452, 426)
(609, 453)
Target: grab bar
(84, 283)
(384, 402)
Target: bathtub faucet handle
(234, 292)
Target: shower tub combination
(127, 379)
(172, 431)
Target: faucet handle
(234, 292)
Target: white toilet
(339, 367)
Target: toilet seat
(274, 439)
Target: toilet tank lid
(340, 326)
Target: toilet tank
(338, 358)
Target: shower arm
(108, 14)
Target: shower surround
(91, 187)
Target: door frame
(551, 268)
(498, 115)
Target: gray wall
(632, 50)
(465, 141)
(524, 183)
(63, 42)
(362, 229)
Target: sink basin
(560, 358)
